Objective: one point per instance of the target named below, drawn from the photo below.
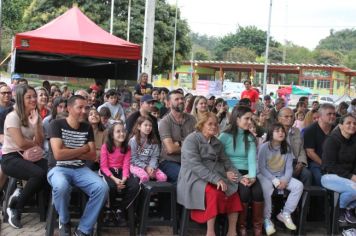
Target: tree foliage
(342, 41)
(245, 37)
(40, 12)
(240, 54)
(327, 57)
(298, 54)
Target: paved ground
(32, 227)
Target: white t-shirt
(13, 121)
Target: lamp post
(174, 45)
(267, 49)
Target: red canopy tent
(73, 45)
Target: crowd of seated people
(222, 160)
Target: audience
(192, 142)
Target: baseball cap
(147, 98)
(210, 97)
(267, 97)
(94, 87)
(16, 77)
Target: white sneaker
(13, 198)
(269, 227)
(287, 220)
(349, 232)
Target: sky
(304, 22)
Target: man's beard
(179, 108)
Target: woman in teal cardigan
(240, 147)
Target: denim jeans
(346, 188)
(62, 180)
(316, 172)
(171, 169)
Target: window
(323, 84)
(308, 83)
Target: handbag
(32, 154)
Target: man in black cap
(211, 102)
(146, 104)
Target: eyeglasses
(288, 117)
(5, 93)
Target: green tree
(298, 54)
(350, 59)
(240, 54)
(275, 55)
(342, 41)
(327, 57)
(42, 11)
(204, 41)
(201, 53)
(12, 12)
(248, 37)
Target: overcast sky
(304, 22)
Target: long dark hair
(284, 144)
(56, 102)
(151, 138)
(224, 103)
(238, 112)
(110, 143)
(20, 108)
(101, 127)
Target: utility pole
(267, 49)
(128, 21)
(174, 46)
(0, 25)
(148, 36)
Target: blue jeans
(346, 188)
(316, 172)
(171, 169)
(62, 180)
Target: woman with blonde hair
(199, 107)
(311, 117)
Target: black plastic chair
(52, 214)
(334, 200)
(39, 197)
(150, 188)
(185, 222)
(308, 192)
(130, 216)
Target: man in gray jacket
(295, 141)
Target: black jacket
(339, 155)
